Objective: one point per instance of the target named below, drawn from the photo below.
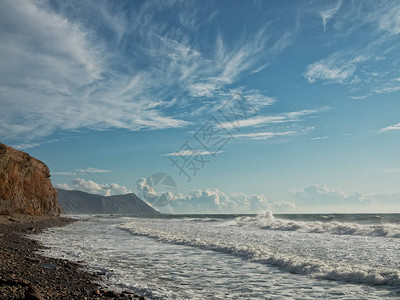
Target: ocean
(335, 256)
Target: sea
(310, 256)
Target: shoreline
(25, 274)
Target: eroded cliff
(25, 185)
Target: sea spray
(203, 256)
(269, 222)
(314, 267)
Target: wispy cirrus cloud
(25, 146)
(263, 135)
(387, 89)
(81, 171)
(319, 138)
(214, 73)
(390, 128)
(388, 18)
(337, 68)
(56, 74)
(64, 173)
(360, 66)
(192, 153)
(61, 72)
(92, 170)
(257, 121)
(267, 127)
(328, 13)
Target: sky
(241, 106)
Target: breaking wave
(305, 265)
(269, 222)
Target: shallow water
(227, 257)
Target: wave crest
(313, 267)
(269, 222)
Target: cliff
(25, 185)
(77, 202)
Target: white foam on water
(199, 258)
(269, 222)
(280, 252)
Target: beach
(25, 274)
(332, 256)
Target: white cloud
(210, 74)
(25, 146)
(82, 171)
(283, 206)
(321, 198)
(64, 186)
(328, 70)
(390, 20)
(90, 186)
(62, 73)
(192, 152)
(386, 89)
(215, 201)
(231, 63)
(319, 138)
(390, 86)
(254, 97)
(337, 68)
(357, 69)
(323, 195)
(263, 135)
(390, 128)
(64, 173)
(358, 97)
(329, 13)
(159, 199)
(92, 170)
(368, 67)
(390, 199)
(294, 118)
(209, 200)
(203, 89)
(203, 201)
(257, 121)
(58, 75)
(87, 186)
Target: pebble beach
(25, 274)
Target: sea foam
(222, 238)
(269, 222)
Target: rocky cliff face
(25, 185)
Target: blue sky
(109, 92)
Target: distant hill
(77, 202)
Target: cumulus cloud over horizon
(208, 201)
(89, 186)
(215, 201)
(321, 196)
